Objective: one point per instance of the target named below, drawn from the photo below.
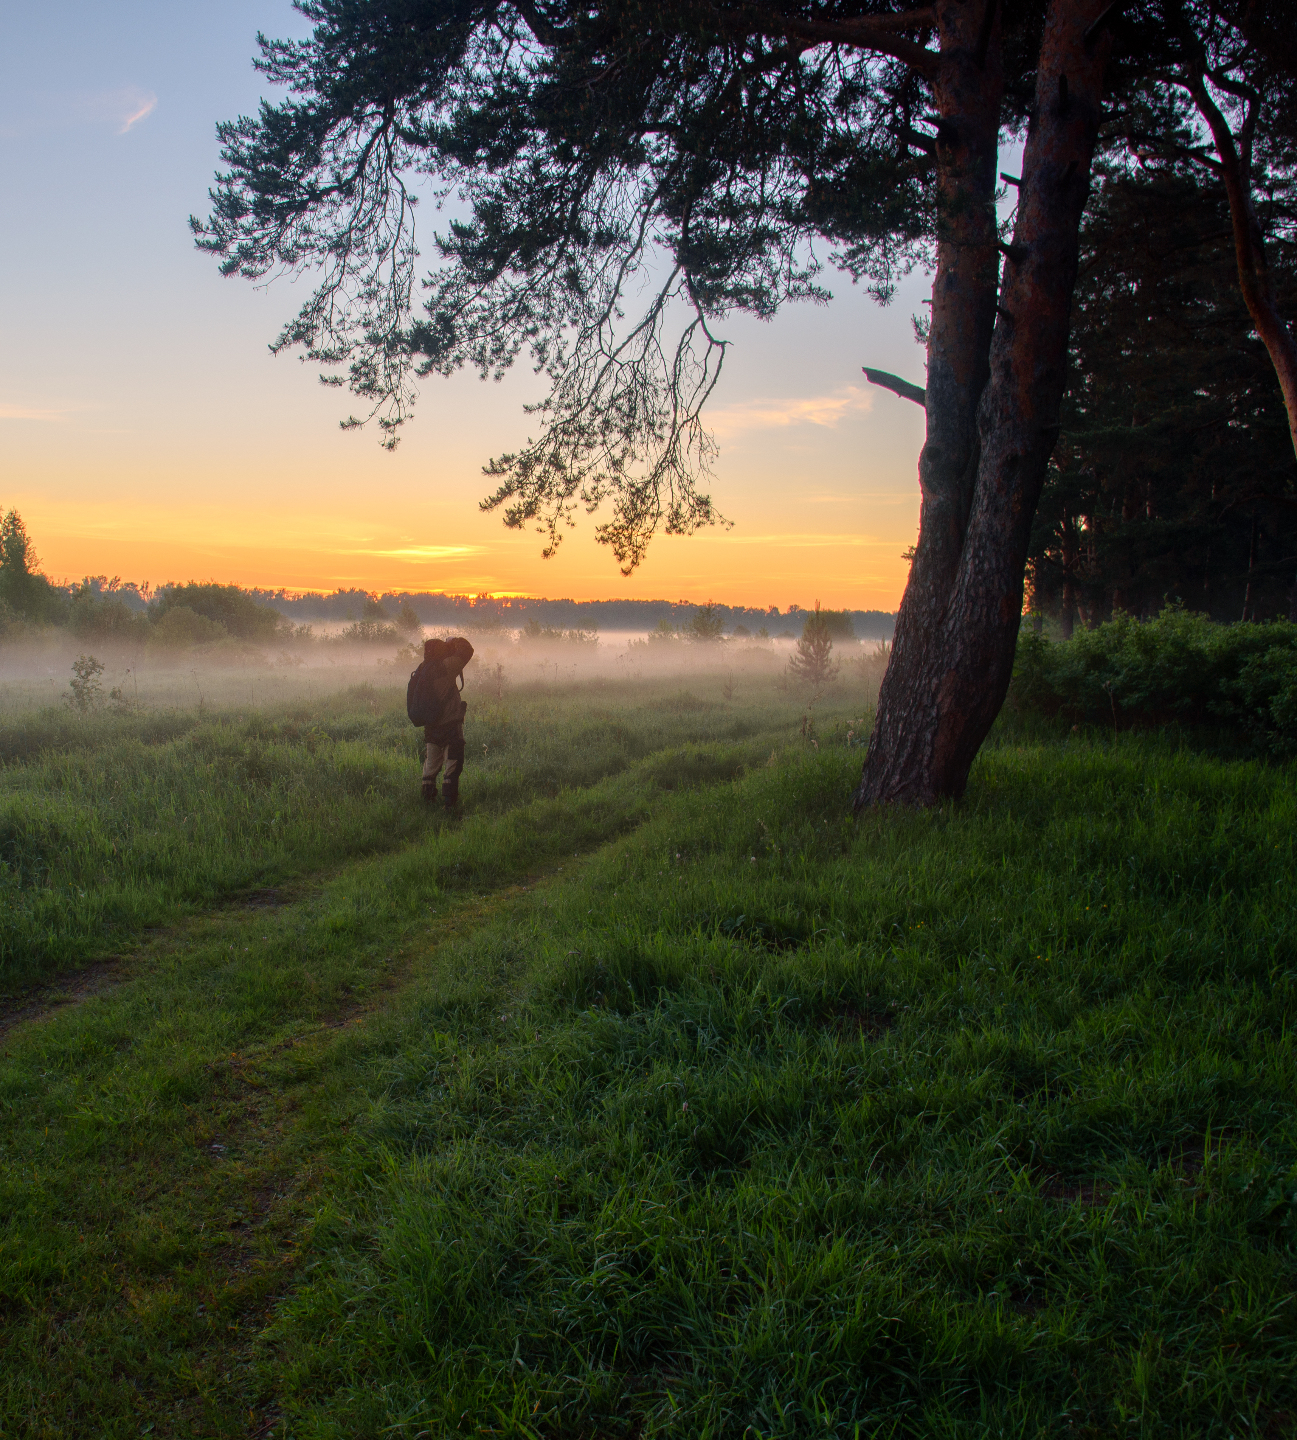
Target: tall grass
(113, 822)
(977, 1122)
(657, 1097)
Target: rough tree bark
(968, 95)
(958, 622)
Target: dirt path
(250, 1169)
(95, 978)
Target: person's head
(457, 649)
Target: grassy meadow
(650, 1096)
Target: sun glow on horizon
(860, 570)
(147, 432)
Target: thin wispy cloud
(28, 412)
(824, 410)
(426, 552)
(137, 108)
(806, 541)
(120, 109)
(123, 108)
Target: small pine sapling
(705, 624)
(813, 661)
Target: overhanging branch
(881, 33)
(896, 385)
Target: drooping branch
(587, 153)
(621, 425)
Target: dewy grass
(111, 823)
(153, 1177)
(1002, 1144)
(748, 1119)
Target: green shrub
(1178, 668)
(225, 605)
(368, 632)
(181, 628)
(108, 617)
(556, 635)
(85, 685)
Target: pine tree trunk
(1249, 603)
(958, 626)
(968, 96)
(1069, 573)
(1256, 279)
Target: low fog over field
(42, 673)
(103, 644)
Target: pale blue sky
(145, 430)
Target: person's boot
(450, 794)
(429, 792)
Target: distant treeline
(193, 613)
(487, 612)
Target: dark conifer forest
(1173, 477)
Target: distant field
(127, 818)
(653, 1096)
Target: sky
(147, 432)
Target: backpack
(429, 688)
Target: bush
(1178, 668)
(534, 630)
(663, 633)
(106, 617)
(85, 685)
(181, 628)
(225, 605)
(369, 632)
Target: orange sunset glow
(146, 432)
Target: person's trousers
(447, 752)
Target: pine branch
(894, 383)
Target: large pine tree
(719, 147)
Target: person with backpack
(432, 700)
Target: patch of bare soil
(1092, 1194)
(100, 976)
(267, 898)
(70, 989)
